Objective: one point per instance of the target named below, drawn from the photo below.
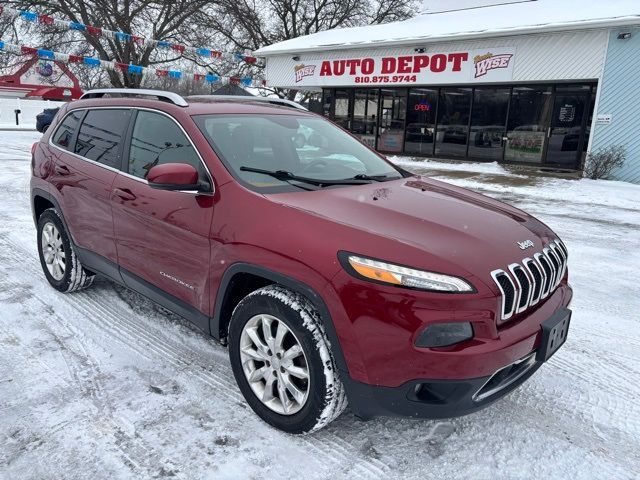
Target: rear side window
(64, 135)
(157, 140)
(101, 135)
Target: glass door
(489, 123)
(454, 109)
(342, 108)
(364, 123)
(393, 111)
(529, 114)
(567, 130)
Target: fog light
(445, 334)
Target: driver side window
(157, 140)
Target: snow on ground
(104, 384)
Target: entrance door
(529, 114)
(566, 133)
(393, 111)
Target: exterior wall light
(624, 36)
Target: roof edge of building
(626, 21)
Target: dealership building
(538, 82)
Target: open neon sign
(422, 106)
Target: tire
(58, 259)
(324, 397)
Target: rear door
(85, 168)
(162, 236)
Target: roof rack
(246, 98)
(137, 92)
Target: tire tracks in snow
(118, 320)
(85, 373)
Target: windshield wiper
(373, 178)
(285, 175)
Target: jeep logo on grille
(526, 244)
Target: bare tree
(171, 21)
(239, 25)
(251, 24)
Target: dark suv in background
(44, 119)
(331, 274)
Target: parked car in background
(44, 119)
(332, 275)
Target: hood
(459, 227)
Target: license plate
(554, 334)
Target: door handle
(62, 170)
(124, 193)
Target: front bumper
(439, 398)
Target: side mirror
(174, 176)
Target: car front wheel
(282, 362)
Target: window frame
(123, 167)
(72, 144)
(120, 150)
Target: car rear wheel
(282, 363)
(60, 264)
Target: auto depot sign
(488, 65)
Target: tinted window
(421, 121)
(101, 134)
(156, 140)
(454, 108)
(488, 122)
(66, 130)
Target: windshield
(302, 147)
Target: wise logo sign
(487, 62)
(424, 69)
(302, 71)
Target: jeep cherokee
(332, 275)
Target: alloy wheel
(53, 251)
(274, 364)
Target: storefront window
(327, 99)
(528, 123)
(341, 112)
(488, 122)
(393, 110)
(421, 121)
(365, 116)
(453, 122)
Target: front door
(162, 237)
(567, 129)
(393, 111)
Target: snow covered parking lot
(105, 384)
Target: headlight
(402, 276)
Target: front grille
(524, 284)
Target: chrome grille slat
(537, 279)
(563, 258)
(546, 269)
(504, 282)
(525, 284)
(553, 263)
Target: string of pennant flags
(124, 37)
(93, 62)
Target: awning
(56, 93)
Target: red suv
(332, 274)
